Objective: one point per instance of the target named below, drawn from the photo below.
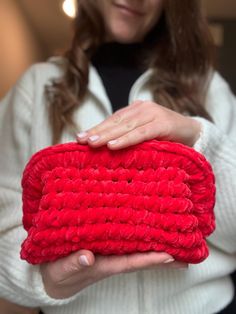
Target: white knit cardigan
(24, 129)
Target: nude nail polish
(94, 138)
(112, 142)
(83, 260)
(82, 134)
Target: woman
(151, 60)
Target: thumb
(64, 267)
(75, 261)
(85, 258)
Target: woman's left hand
(139, 122)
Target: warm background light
(33, 30)
(69, 7)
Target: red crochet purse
(154, 196)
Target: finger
(114, 119)
(77, 261)
(174, 265)
(140, 134)
(112, 134)
(121, 116)
(130, 262)
(68, 266)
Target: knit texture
(155, 196)
(201, 288)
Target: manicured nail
(169, 260)
(94, 138)
(82, 134)
(113, 142)
(83, 260)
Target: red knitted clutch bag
(155, 196)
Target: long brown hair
(182, 62)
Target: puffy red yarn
(155, 196)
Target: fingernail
(112, 142)
(94, 138)
(83, 260)
(169, 260)
(82, 134)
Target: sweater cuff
(209, 139)
(219, 150)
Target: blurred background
(33, 30)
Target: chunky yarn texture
(154, 196)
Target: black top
(119, 66)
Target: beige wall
(18, 48)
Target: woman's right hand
(69, 275)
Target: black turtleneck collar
(117, 54)
(119, 66)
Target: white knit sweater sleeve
(19, 282)
(218, 143)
